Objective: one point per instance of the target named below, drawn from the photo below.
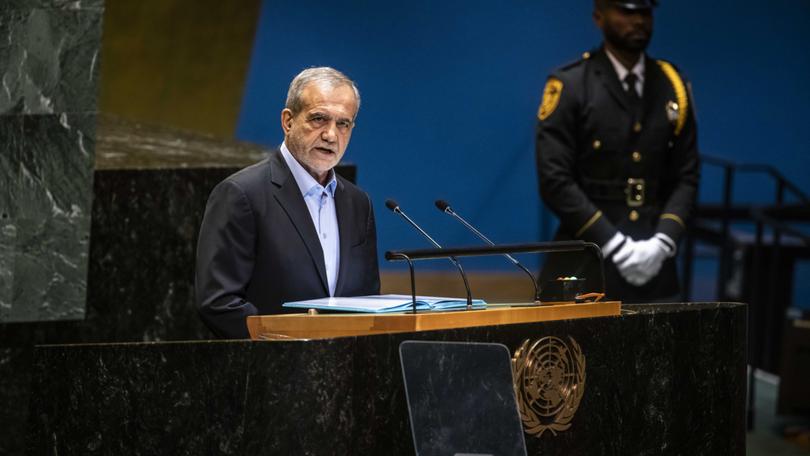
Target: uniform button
(597, 144)
(633, 215)
(637, 127)
(636, 156)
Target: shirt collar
(621, 71)
(306, 183)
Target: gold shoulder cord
(680, 93)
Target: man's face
(628, 30)
(318, 135)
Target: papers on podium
(386, 304)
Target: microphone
(444, 206)
(394, 207)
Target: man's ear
(598, 18)
(286, 120)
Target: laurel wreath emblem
(549, 378)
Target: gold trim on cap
(675, 218)
(589, 223)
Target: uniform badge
(673, 112)
(681, 105)
(551, 98)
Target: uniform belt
(633, 191)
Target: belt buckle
(635, 192)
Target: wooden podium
(324, 326)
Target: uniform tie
(631, 79)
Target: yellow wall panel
(180, 63)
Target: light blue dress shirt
(321, 204)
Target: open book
(386, 304)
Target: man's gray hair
(319, 75)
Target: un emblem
(549, 383)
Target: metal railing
(777, 217)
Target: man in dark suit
(617, 156)
(288, 228)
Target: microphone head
(391, 204)
(443, 206)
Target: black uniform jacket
(258, 247)
(606, 162)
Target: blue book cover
(386, 304)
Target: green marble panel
(49, 51)
(54, 4)
(49, 60)
(11, 133)
(52, 214)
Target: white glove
(614, 242)
(645, 258)
(625, 248)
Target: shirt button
(636, 156)
(633, 215)
(597, 144)
(637, 127)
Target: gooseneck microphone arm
(444, 206)
(394, 207)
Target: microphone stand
(444, 207)
(394, 207)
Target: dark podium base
(661, 379)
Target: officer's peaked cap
(634, 4)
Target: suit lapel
(607, 75)
(290, 198)
(653, 78)
(345, 219)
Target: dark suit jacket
(594, 139)
(258, 247)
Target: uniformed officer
(617, 156)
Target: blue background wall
(450, 93)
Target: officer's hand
(644, 262)
(626, 257)
(623, 247)
(613, 244)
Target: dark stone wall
(149, 193)
(141, 277)
(49, 56)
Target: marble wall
(150, 186)
(49, 54)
